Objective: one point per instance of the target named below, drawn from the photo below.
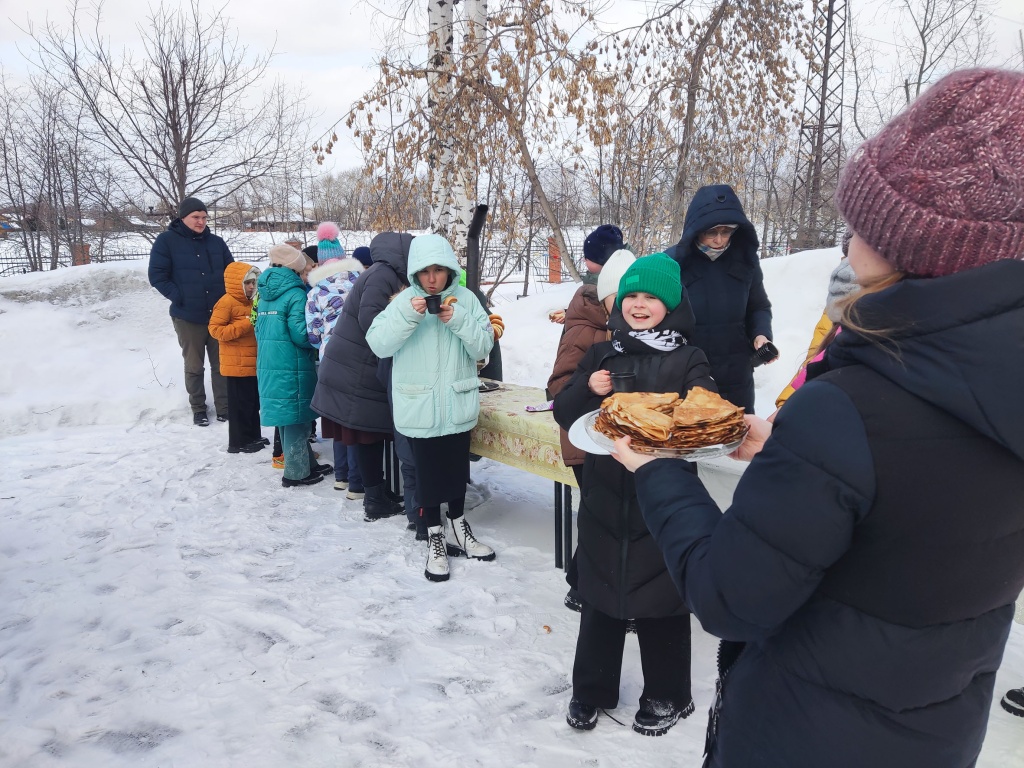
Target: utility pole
(816, 222)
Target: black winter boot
(656, 716)
(377, 506)
(572, 600)
(582, 717)
(1013, 702)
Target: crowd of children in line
(274, 327)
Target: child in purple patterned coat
(331, 281)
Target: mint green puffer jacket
(434, 382)
(285, 360)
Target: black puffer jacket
(188, 269)
(727, 295)
(620, 570)
(872, 554)
(348, 390)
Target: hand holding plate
(759, 431)
(629, 458)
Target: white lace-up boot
(463, 542)
(437, 555)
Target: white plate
(581, 438)
(605, 445)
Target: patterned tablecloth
(508, 433)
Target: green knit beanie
(657, 275)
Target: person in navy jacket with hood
(719, 265)
(186, 264)
(872, 554)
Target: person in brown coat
(586, 321)
(231, 327)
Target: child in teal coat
(436, 389)
(285, 364)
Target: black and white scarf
(642, 342)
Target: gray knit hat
(190, 205)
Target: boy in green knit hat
(621, 572)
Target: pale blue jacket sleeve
(471, 324)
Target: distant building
(7, 224)
(291, 224)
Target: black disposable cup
(434, 303)
(623, 382)
(765, 354)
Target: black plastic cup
(623, 382)
(434, 303)
(765, 354)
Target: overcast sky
(329, 48)
(326, 48)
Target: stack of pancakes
(663, 420)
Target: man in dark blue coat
(186, 264)
(719, 265)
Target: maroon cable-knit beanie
(940, 188)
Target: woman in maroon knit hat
(867, 569)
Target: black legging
(432, 515)
(371, 463)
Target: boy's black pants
(664, 656)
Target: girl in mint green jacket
(436, 389)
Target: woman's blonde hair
(849, 315)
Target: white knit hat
(286, 256)
(612, 271)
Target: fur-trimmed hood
(333, 267)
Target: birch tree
(511, 94)
(452, 180)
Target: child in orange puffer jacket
(231, 326)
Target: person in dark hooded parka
(719, 265)
(348, 390)
(872, 554)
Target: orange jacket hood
(234, 275)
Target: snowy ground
(163, 603)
